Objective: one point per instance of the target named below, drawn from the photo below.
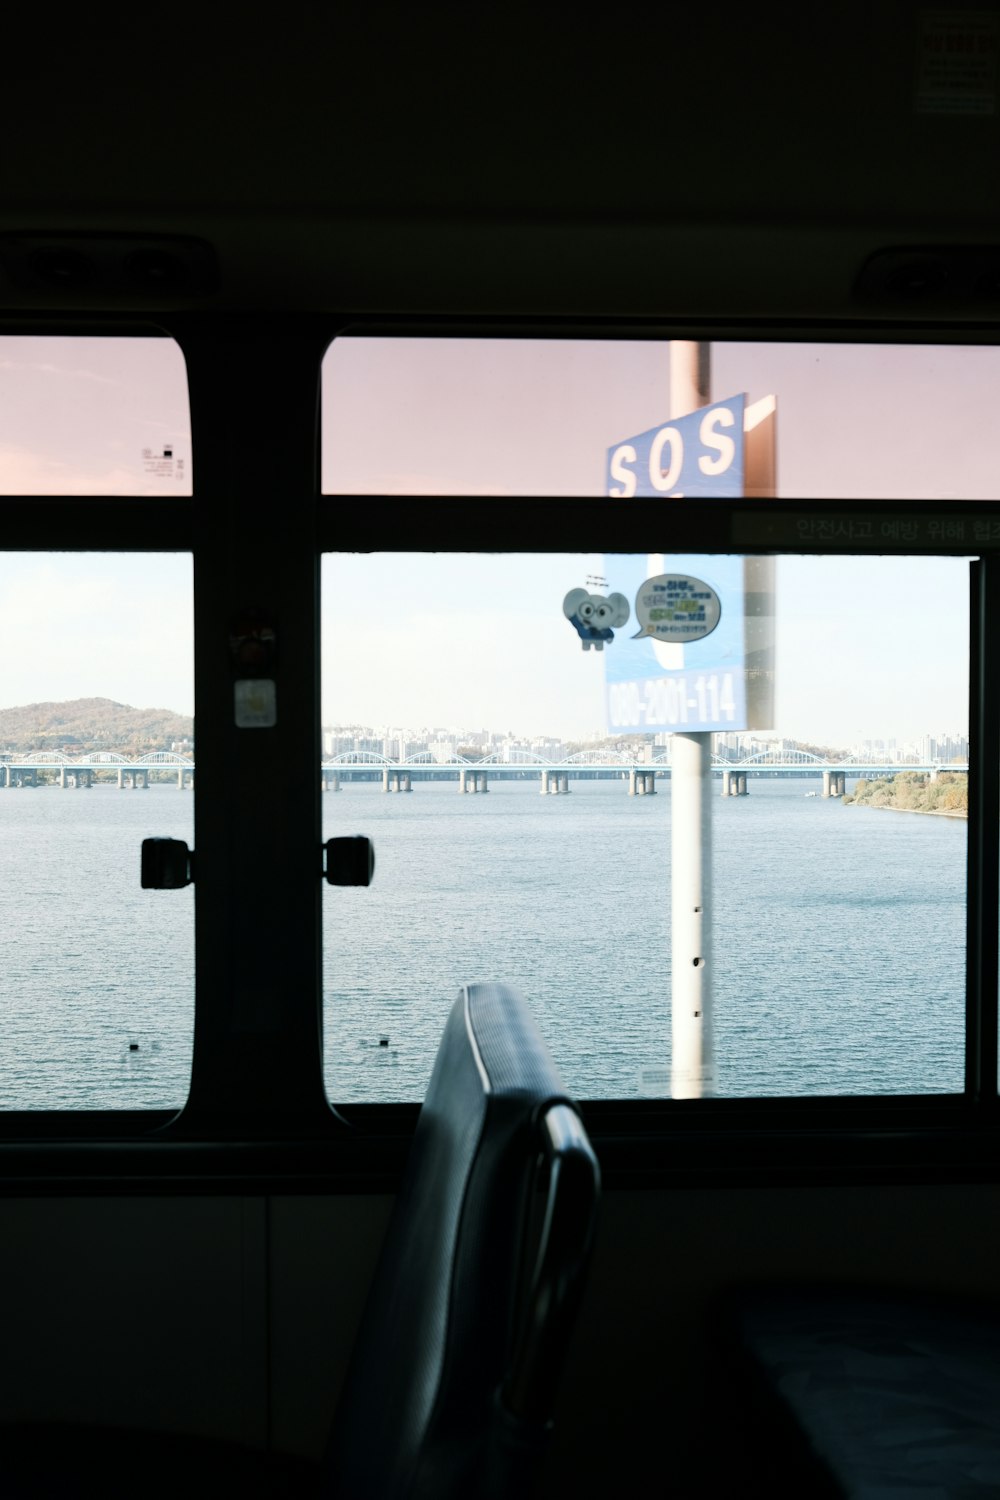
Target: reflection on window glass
(522, 823)
(539, 417)
(93, 416)
(96, 754)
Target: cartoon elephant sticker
(594, 617)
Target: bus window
(490, 418)
(96, 753)
(844, 819)
(522, 818)
(93, 416)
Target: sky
(866, 648)
(97, 625)
(92, 416)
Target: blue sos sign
(700, 455)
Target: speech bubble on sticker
(676, 607)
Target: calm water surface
(91, 964)
(839, 961)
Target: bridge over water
(640, 776)
(50, 767)
(47, 767)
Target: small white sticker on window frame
(255, 703)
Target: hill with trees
(88, 724)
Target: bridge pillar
(934, 773)
(545, 782)
(652, 783)
(385, 778)
(85, 779)
(726, 780)
(640, 786)
(405, 784)
(121, 778)
(141, 779)
(742, 786)
(62, 777)
(631, 783)
(826, 783)
(564, 783)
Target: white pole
(692, 1054)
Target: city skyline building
(445, 744)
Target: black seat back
(450, 1386)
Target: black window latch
(350, 861)
(167, 864)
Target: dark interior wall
(135, 1311)
(669, 161)
(235, 1316)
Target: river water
(838, 967)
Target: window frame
(257, 1116)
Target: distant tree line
(914, 791)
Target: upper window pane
(543, 416)
(93, 416)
